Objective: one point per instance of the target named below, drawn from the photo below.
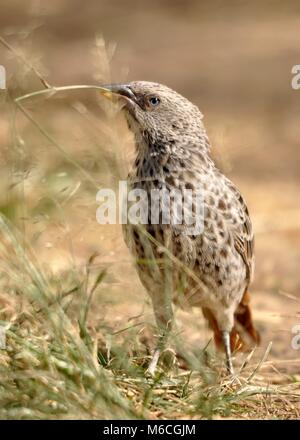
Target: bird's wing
(243, 233)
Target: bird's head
(158, 115)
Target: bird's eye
(154, 101)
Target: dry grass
(58, 366)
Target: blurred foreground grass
(56, 366)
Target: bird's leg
(164, 318)
(158, 350)
(226, 342)
(153, 364)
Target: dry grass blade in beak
(113, 91)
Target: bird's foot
(153, 364)
(167, 358)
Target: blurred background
(233, 59)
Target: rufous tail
(243, 335)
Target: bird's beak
(112, 91)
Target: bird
(210, 268)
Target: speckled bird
(211, 269)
